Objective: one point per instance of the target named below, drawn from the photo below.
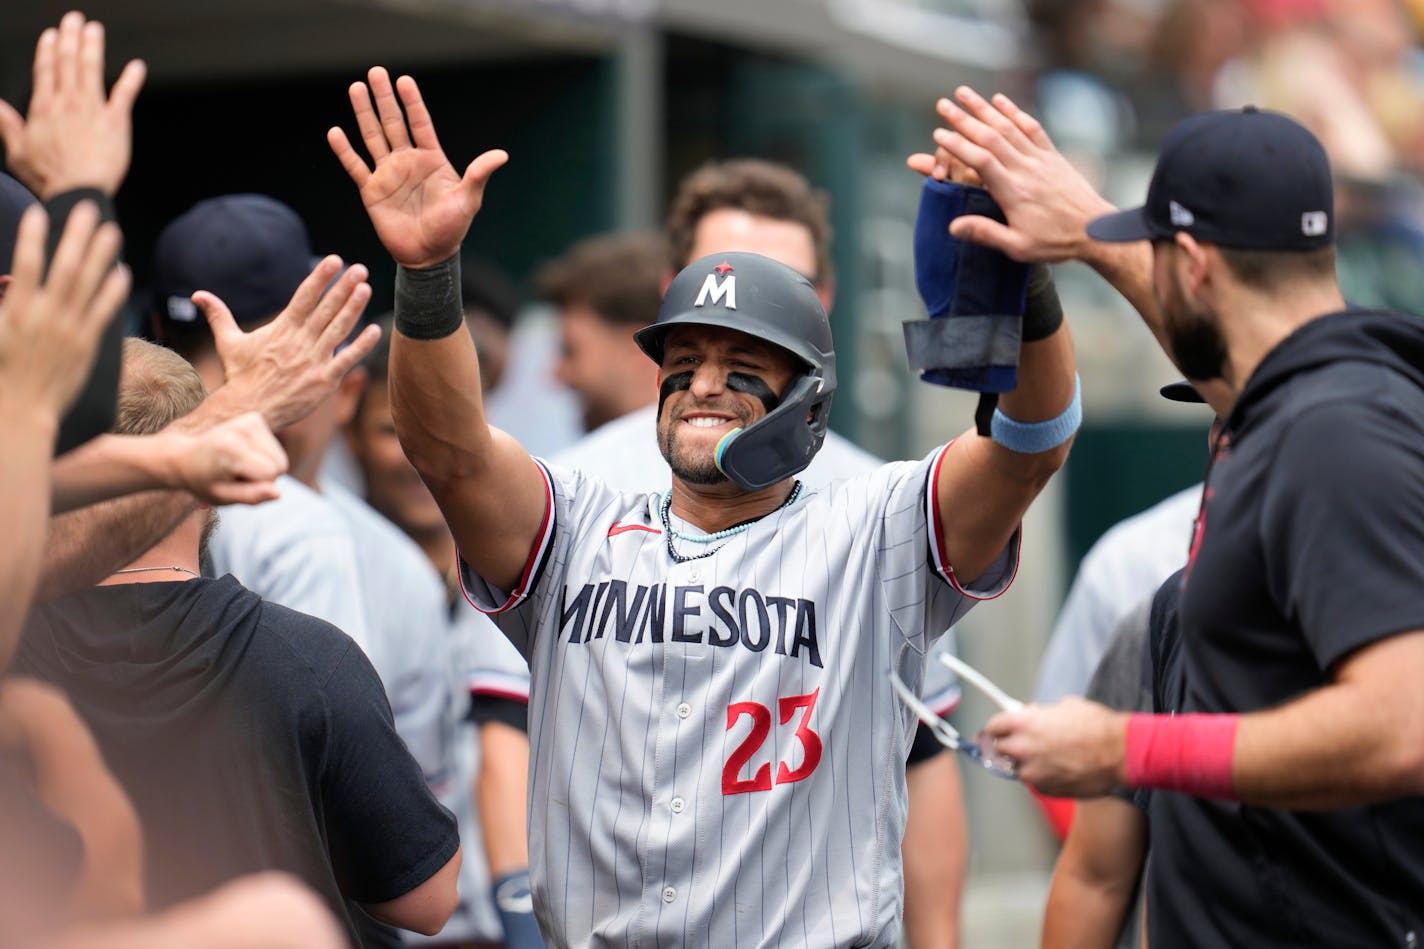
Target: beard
(1194, 335)
(210, 524)
(686, 464)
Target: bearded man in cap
(1295, 751)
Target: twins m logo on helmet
(723, 290)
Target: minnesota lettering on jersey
(722, 616)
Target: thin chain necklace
(723, 534)
(175, 569)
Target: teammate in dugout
(717, 755)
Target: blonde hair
(156, 386)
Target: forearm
(1096, 875)
(1128, 269)
(1002, 483)
(108, 467)
(501, 797)
(24, 470)
(87, 545)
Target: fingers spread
(387, 108)
(28, 261)
(366, 122)
(1027, 124)
(309, 292)
(962, 149)
(422, 127)
(356, 350)
(42, 94)
(91, 59)
(346, 155)
(97, 262)
(65, 265)
(1010, 140)
(67, 52)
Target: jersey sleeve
(922, 592)
(1340, 559)
(571, 499)
(493, 671)
(386, 832)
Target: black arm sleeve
(497, 708)
(387, 833)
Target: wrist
(1192, 754)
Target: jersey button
(694, 574)
(669, 894)
(684, 710)
(678, 805)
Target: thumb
(12, 128)
(219, 317)
(486, 164)
(127, 86)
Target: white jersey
(413, 653)
(295, 551)
(1127, 563)
(717, 754)
(624, 454)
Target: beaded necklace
(724, 534)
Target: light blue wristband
(1030, 438)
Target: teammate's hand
(1072, 748)
(73, 137)
(284, 368)
(49, 330)
(420, 206)
(1047, 202)
(234, 462)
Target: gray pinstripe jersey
(717, 756)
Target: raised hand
(420, 206)
(73, 136)
(1047, 202)
(50, 325)
(285, 367)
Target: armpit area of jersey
(485, 709)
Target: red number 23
(761, 728)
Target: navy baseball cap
(1247, 179)
(14, 199)
(250, 250)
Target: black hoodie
(1310, 545)
(249, 737)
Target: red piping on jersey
(941, 556)
(487, 692)
(536, 553)
(617, 529)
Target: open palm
(420, 206)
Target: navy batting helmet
(766, 299)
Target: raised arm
(486, 484)
(984, 485)
(49, 331)
(233, 462)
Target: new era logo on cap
(1246, 179)
(182, 310)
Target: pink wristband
(1187, 753)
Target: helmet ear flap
(783, 442)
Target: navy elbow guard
(974, 296)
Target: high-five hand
(73, 137)
(420, 206)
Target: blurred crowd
(1116, 75)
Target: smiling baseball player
(717, 755)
